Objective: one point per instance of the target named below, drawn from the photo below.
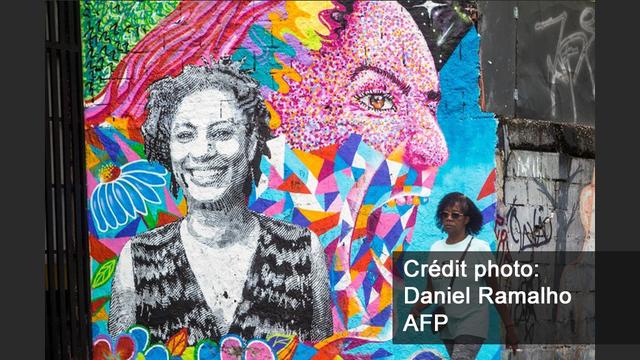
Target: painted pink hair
(194, 31)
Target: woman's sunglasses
(454, 216)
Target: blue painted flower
(124, 192)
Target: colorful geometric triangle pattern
(359, 228)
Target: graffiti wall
(546, 205)
(538, 59)
(251, 167)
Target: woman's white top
(471, 318)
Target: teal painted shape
(292, 164)
(355, 249)
(345, 183)
(259, 55)
(329, 236)
(357, 172)
(304, 352)
(373, 157)
(340, 164)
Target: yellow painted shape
(314, 163)
(363, 215)
(397, 154)
(122, 124)
(314, 216)
(371, 332)
(183, 207)
(100, 315)
(274, 118)
(287, 352)
(189, 353)
(302, 20)
(279, 74)
(336, 336)
(353, 308)
(338, 266)
(354, 273)
(385, 295)
(91, 159)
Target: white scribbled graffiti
(571, 56)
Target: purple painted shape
(299, 219)
(381, 176)
(329, 198)
(381, 353)
(489, 214)
(349, 148)
(260, 205)
(382, 317)
(111, 147)
(131, 229)
(302, 53)
(393, 235)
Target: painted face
(209, 147)
(378, 80)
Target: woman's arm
(122, 312)
(419, 306)
(511, 340)
(322, 324)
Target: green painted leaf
(104, 273)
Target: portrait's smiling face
(378, 80)
(209, 146)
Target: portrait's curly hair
(166, 94)
(468, 208)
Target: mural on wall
(251, 167)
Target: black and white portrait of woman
(222, 268)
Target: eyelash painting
(364, 98)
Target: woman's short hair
(468, 208)
(166, 94)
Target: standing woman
(468, 324)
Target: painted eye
(221, 135)
(377, 101)
(185, 136)
(433, 107)
(433, 99)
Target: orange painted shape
(371, 332)
(274, 117)
(363, 216)
(295, 185)
(99, 251)
(322, 226)
(397, 155)
(327, 152)
(165, 218)
(90, 157)
(100, 315)
(182, 206)
(178, 342)
(353, 308)
(279, 74)
(314, 163)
